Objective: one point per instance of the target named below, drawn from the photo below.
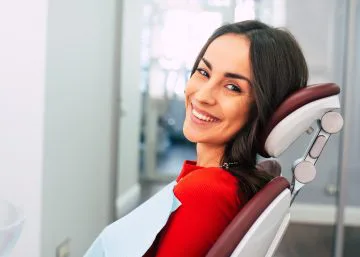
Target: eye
(233, 87)
(202, 72)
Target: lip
(197, 120)
(204, 112)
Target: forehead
(230, 53)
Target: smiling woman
(241, 75)
(244, 71)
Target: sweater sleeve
(208, 206)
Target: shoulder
(208, 185)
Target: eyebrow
(227, 74)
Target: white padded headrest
(296, 123)
(295, 115)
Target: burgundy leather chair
(258, 228)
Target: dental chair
(258, 228)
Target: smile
(202, 116)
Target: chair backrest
(247, 216)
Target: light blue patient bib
(132, 235)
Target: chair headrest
(295, 115)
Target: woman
(244, 71)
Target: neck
(209, 155)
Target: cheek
(189, 90)
(190, 85)
(237, 115)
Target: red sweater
(209, 201)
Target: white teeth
(201, 116)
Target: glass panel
(219, 2)
(245, 10)
(352, 210)
(173, 34)
(311, 231)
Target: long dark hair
(278, 69)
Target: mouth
(201, 116)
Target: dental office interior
(92, 106)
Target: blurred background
(91, 112)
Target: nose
(206, 94)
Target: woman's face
(218, 95)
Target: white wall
(22, 64)
(78, 119)
(57, 83)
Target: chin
(199, 138)
(189, 136)
(196, 136)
